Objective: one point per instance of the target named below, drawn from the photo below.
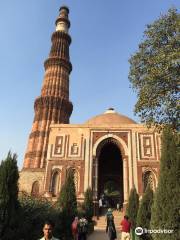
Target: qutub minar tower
(53, 106)
(109, 149)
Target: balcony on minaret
(53, 106)
(62, 22)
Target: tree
(34, 211)
(9, 204)
(165, 209)
(132, 208)
(67, 203)
(88, 204)
(67, 197)
(144, 212)
(155, 70)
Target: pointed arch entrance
(110, 172)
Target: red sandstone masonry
(53, 106)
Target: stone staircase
(101, 222)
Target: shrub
(88, 204)
(144, 212)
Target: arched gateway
(110, 172)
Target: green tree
(67, 197)
(132, 208)
(155, 71)
(67, 203)
(144, 212)
(165, 209)
(88, 204)
(34, 211)
(9, 204)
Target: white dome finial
(110, 110)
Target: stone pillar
(96, 177)
(125, 179)
(95, 185)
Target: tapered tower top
(62, 22)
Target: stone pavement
(98, 235)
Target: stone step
(101, 222)
(104, 223)
(104, 226)
(104, 220)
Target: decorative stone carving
(147, 147)
(74, 149)
(122, 135)
(58, 145)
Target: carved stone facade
(79, 147)
(108, 147)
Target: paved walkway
(100, 227)
(98, 235)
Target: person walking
(109, 213)
(48, 231)
(82, 228)
(110, 228)
(125, 228)
(74, 228)
(118, 206)
(100, 206)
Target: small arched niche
(148, 178)
(35, 189)
(76, 177)
(55, 180)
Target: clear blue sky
(105, 33)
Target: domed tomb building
(110, 152)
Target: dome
(110, 117)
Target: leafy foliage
(132, 208)
(67, 197)
(9, 205)
(34, 212)
(110, 189)
(155, 71)
(23, 218)
(67, 203)
(165, 210)
(144, 212)
(88, 204)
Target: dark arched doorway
(55, 183)
(110, 173)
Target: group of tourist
(125, 226)
(79, 228)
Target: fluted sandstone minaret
(53, 106)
